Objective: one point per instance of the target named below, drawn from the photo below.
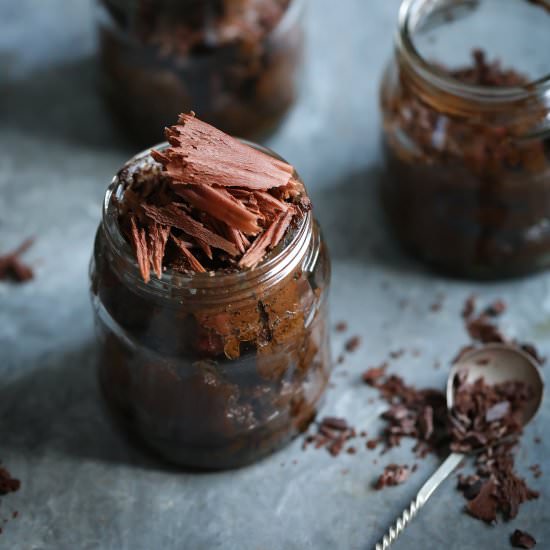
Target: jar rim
(291, 13)
(408, 12)
(275, 266)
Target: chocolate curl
(221, 205)
(203, 154)
(269, 239)
(139, 238)
(158, 237)
(172, 216)
(183, 246)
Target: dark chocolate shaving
(522, 539)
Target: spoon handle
(450, 464)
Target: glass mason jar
(467, 185)
(212, 370)
(235, 63)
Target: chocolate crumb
(332, 434)
(352, 344)
(522, 539)
(393, 475)
(372, 375)
(371, 444)
(8, 484)
(537, 440)
(11, 266)
(341, 326)
(351, 450)
(535, 469)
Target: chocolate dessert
(236, 63)
(209, 284)
(468, 180)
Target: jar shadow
(56, 408)
(354, 224)
(61, 103)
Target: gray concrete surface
(83, 487)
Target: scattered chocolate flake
(498, 307)
(484, 505)
(371, 444)
(208, 202)
(420, 414)
(332, 433)
(8, 484)
(522, 539)
(393, 474)
(11, 266)
(341, 326)
(353, 344)
(351, 450)
(372, 375)
(340, 359)
(363, 434)
(537, 440)
(537, 472)
(481, 329)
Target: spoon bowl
(497, 363)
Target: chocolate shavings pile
(482, 415)
(216, 203)
(11, 266)
(489, 416)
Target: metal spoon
(495, 363)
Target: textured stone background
(83, 486)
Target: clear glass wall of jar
(467, 153)
(236, 63)
(212, 370)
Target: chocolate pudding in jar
(210, 283)
(466, 136)
(237, 63)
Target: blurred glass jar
(212, 370)
(467, 151)
(236, 63)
